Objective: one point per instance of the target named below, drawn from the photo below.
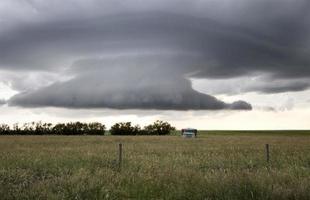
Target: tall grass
(155, 167)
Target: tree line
(79, 128)
(39, 128)
(157, 128)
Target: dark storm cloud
(141, 55)
(292, 87)
(261, 84)
(225, 50)
(126, 90)
(141, 98)
(2, 102)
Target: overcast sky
(213, 64)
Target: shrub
(125, 128)
(159, 128)
(4, 129)
(95, 128)
(144, 132)
(78, 128)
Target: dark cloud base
(2, 102)
(167, 96)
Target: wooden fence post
(120, 155)
(267, 153)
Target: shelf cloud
(142, 55)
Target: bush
(125, 128)
(95, 128)
(144, 132)
(4, 129)
(78, 128)
(159, 128)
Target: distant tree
(42, 129)
(125, 128)
(95, 128)
(58, 129)
(144, 132)
(28, 128)
(71, 128)
(47, 128)
(4, 129)
(78, 128)
(16, 129)
(159, 128)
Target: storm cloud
(129, 88)
(2, 102)
(142, 55)
(170, 96)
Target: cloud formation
(142, 54)
(126, 90)
(2, 102)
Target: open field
(217, 165)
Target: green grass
(216, 165)
(257, 132)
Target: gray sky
(147, 59)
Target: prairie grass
(216, 165)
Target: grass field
(216, 165)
